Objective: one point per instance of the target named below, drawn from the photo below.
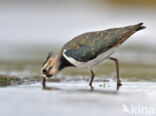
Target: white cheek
(52, 71)
(44, 75)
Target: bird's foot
(118, 84)
(91, 87)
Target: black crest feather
(49, 56)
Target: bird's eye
(44, 71)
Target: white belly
(98, 60)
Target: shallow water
(76, 98)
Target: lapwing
(89, 49)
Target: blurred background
(29, 29)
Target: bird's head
(50, 66)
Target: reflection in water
(50, 88)
(90, 89)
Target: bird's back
(89, 45)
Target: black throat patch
(64, 63)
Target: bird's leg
(92, 78)
(117, 71)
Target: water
(76, 98)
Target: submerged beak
(45, 77)
(44, 82)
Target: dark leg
(117, 71)
(92, 78)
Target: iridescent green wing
(89, 45)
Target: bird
(88, 50)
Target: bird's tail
(130, 30)
(135, 28)
(140, 26)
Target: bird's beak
(44, 82)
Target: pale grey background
(27, 25)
